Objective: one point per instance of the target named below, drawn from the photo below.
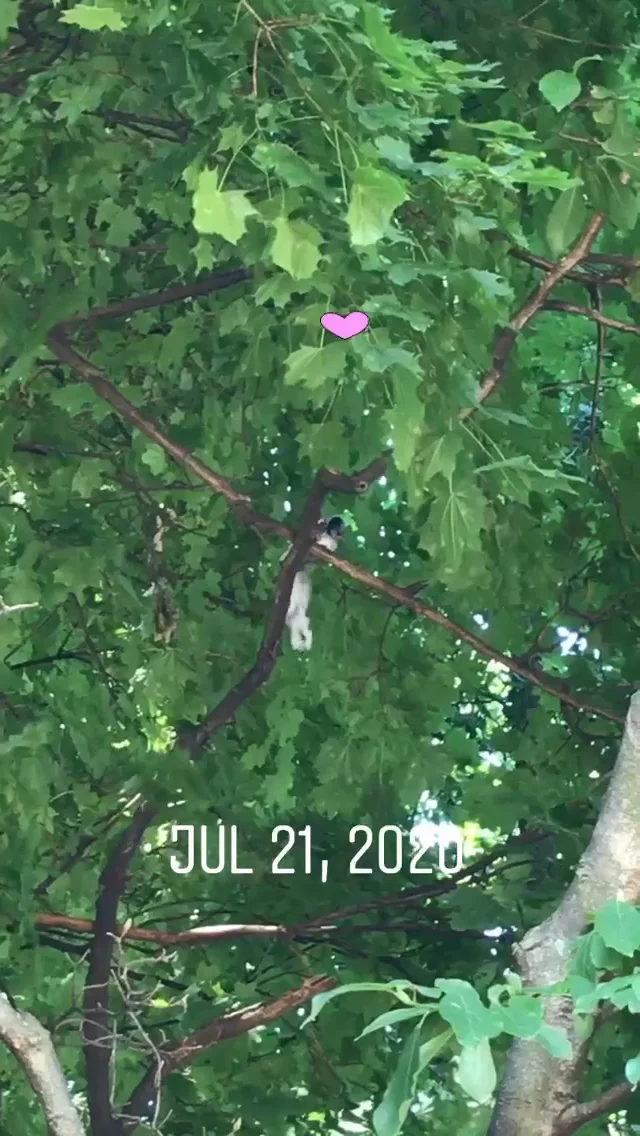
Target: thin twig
(592, 314)
(596, 300)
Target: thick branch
(97, 1041)
(31, 1044)
(97, 1038)
(578, 1115)
(143, 1101)
(307, 927)
(506, 338)
(539, 1092)
(223, 932)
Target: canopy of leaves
(186, 190)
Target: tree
(185, 194)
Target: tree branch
(306, 927)
(98, 1043)
(97, 1040)
(592, 314)
(506, 338)
(31, 1044)
(538, 1091)
(586, 279)
(326, 481)
(577, 1115)
(143, 1101)
(204, 287)
(241, 502)
(62, 349)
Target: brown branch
(142, 1102)
(193, 937)
(577, 1115)
(627, 262)
(584, 278)
(204, 287)
(125, 118)
(91, 374)
(507, 337)
(425, 891)
(327, 481)
(316, 925)
(61, 348)
(223, 932)
(97, 1041)
(592, 314)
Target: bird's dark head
(334, 527)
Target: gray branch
(538, 1092)
(31, 1044)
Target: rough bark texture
(538, 1093)
(31, 1044)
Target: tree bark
(538, 1093)
(31, 1044)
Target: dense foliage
(186, 189)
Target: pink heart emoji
(345, 326)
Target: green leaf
(492, 284)
(320, 1001)
(312, 366)
(604, 957)
(618, 923)
(621, 204)
(406, 418)
(375, 195)
(632, 1070)
(582, 962)
(434, 1046)
(155, 458)
(296, 248)
(92, 19)
(396, 151)
(522, 1016)
(566, 219)
(454, 524)
(8, 16)
(392, 1017)
(279, 289)
(503, 128)
(391, 1113)
(232, 137)
(461, 1006)
(476, 1072)
(559, 88)
(294, 169)
(223, 212)
(440, 456)
(624, 139)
